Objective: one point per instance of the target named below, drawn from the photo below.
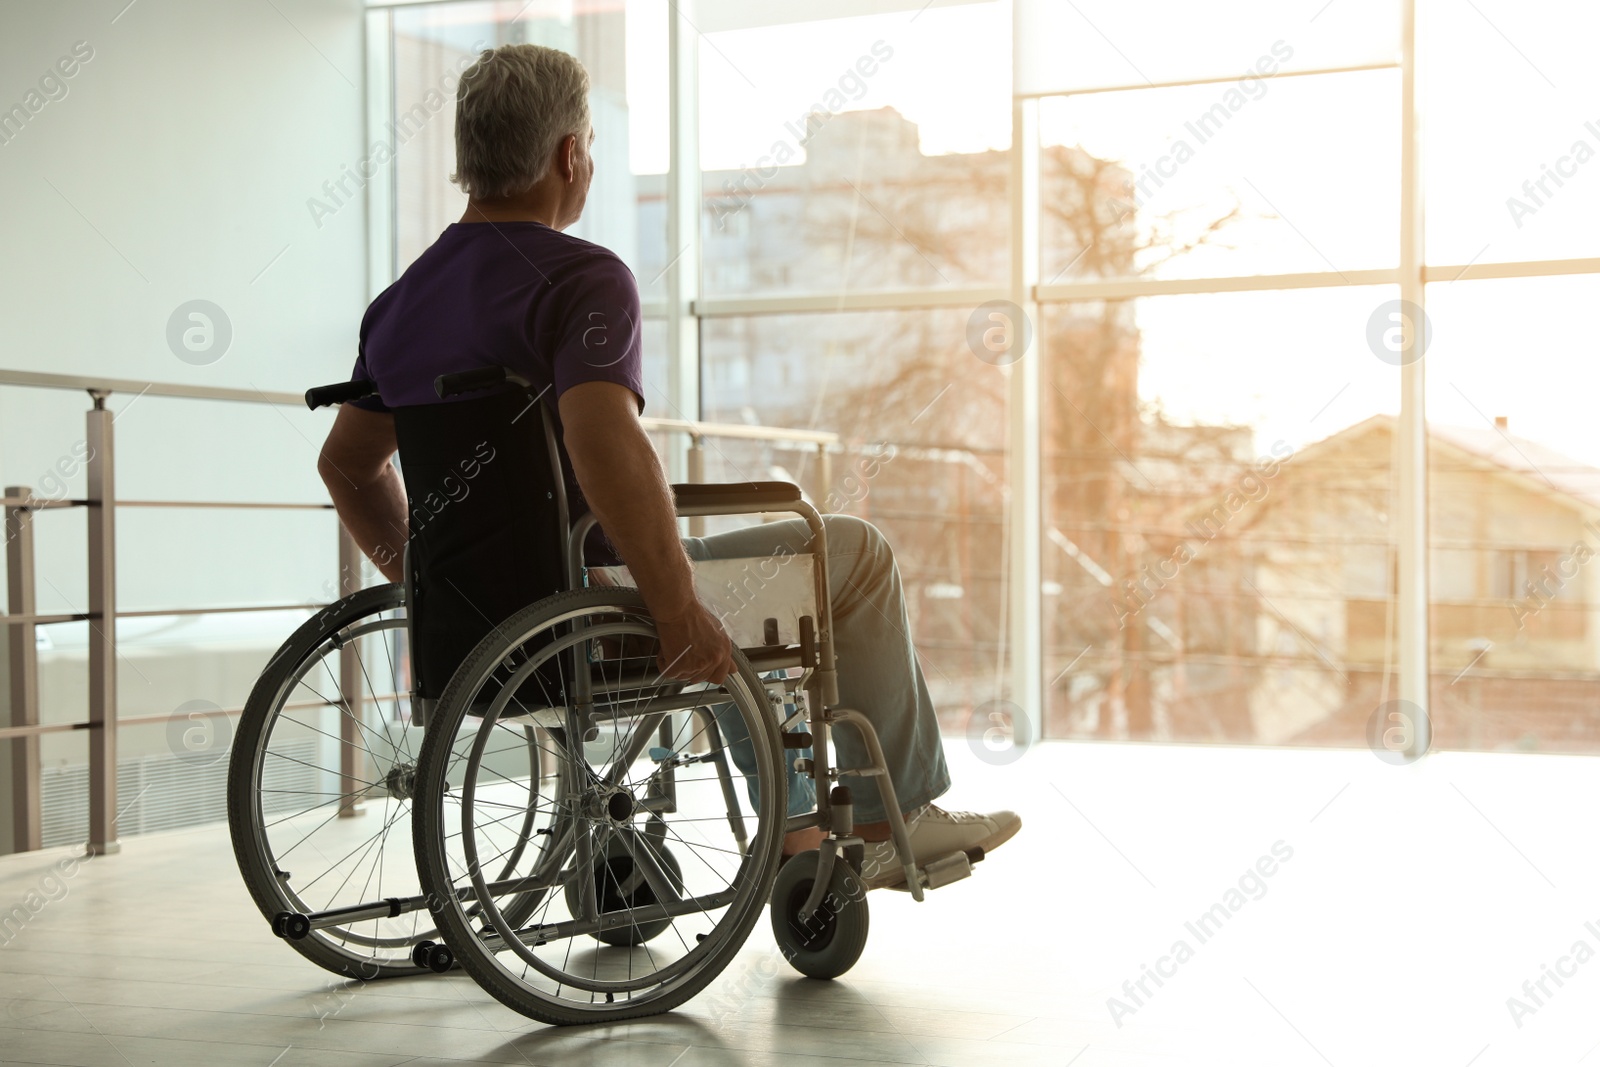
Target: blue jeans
(878, 671)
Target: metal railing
(21, 618)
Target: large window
(1299, 176)
(1239, 504)
(922, 457)
(1515, 496)
(1284, 627)
(1513, 132)
(1218, 468)
(841, 160)
(1218, 509)
(841, 155)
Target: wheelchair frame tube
(552, 450)
(352, 767)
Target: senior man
(505, 286)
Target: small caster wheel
(619, 885)
(828, 942)
(290, 925)
(432, 956)
(439, 959)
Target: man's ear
(569, 158)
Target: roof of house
(1545, 468)
(1541, 464)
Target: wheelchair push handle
(340, 393)
(468, 381)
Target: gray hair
(514, 106)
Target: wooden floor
(1413, 902)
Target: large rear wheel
(322, 782)
(656, 845)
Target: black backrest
(486, 508)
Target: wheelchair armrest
(751, 496)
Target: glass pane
(842, 155)
(654, 336)
(1514, 485)
(1512, 130)
(1217, 499)
(922, 427)
(186, 669)
(1103, 44)
(623, 45)
(63, 788)
(1294, 174)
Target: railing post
(352, 769)
(27, 832)
(697, 475)
(102, 512)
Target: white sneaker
(935, 832)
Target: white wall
(177, 167)
(191, 142)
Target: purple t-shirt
(556, 309)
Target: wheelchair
(590, 840)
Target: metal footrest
(944, 870)
(947, 869)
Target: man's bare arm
(366, 489)
(623, 482)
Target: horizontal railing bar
(861, 300)
(148, 720)
(23, 618)
(41, 380)
(758, 433)
(7, 732)
(33, 503)
(222, 504)
(149, 613)
(259, 396)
